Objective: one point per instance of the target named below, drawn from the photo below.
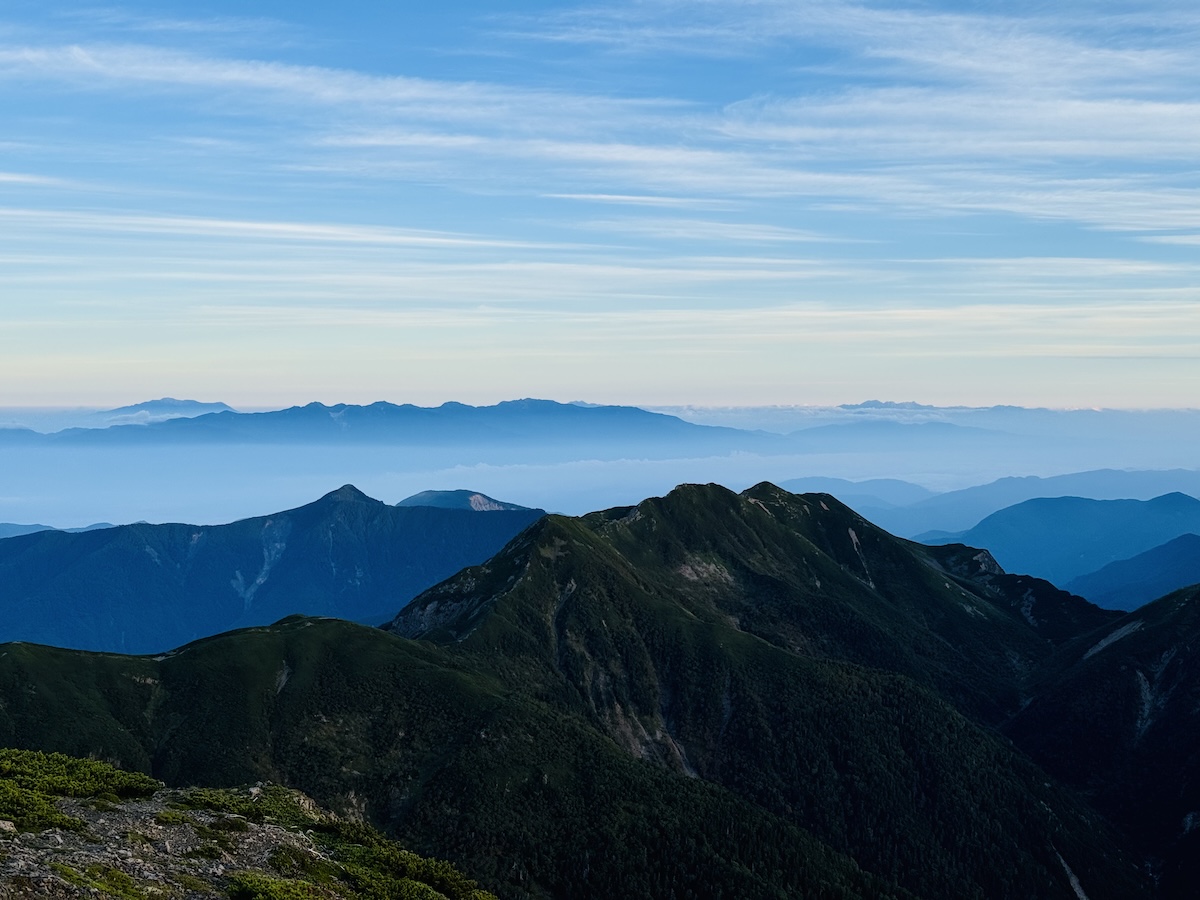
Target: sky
(717, 202)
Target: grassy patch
(192, 883)
(253, 886)
(172, 817)
(109, 881)
(271, 803)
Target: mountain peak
(348, 493)
(459, 499)
(171, 406)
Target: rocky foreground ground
(77, 828)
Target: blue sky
(716, 202)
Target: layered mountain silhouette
(10, 529)
(1061, 538)
(147, 588)
(509, 422)
(959, 510)
(887, 493)
(756, 695)
(472, 500)
(1129, 583)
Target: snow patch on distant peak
(1123, 631)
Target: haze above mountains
(203, 463)
(573, 458)
(766, 691)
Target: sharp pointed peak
(348, 493)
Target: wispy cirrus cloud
(908, 144)
(24, 178)
(907, 180)
(234, 229)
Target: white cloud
(235, 229)
(24, 178)
(706, 230)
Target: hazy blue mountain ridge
(458, 499)
(9, 529)
(873, 492)
(959, 510)
(1129, 583)
(1062, 538)
(147, 588)
(511, 421)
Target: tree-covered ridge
(707, 695)
(125, 837)
(145, 588)
(527, 798)
(1115, 717)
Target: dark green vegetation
(1061, 538)
(318, 858)
(29, 782)
(1116, 718)
(1128, 583)
(709, 695)
(148, 588)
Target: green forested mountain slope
(1116, 717)
(801, 572)
(528, 798)
(709, 695)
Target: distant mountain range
(156, 411)
(515, 421)
(1129, 583)
(956, 511)
(53, 419)
(872, 493)
(567, 456)
(147, 588)
(756, 695)
(1062, 538)
(471, 500)
(8, 529)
